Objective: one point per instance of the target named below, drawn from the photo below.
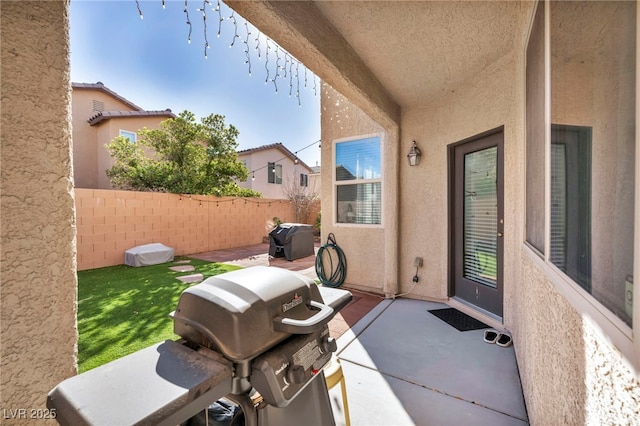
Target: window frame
(304, 179)
(135, 135)
(335, 183)
(272, 175)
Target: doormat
(459, 320)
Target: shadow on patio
(403, 365)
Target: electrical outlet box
(418, 262)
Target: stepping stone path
(193, 278)
(184, 268)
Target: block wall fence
(110, 222)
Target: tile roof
(279, 146)
(106, 115)
(100, 86)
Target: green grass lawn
(122, 309)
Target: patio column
(39, 285)
(392, 212)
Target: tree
(303, 198)
(182, 157)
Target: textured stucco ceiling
(421, 50)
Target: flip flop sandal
(490, 336)
(503, 340)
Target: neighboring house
(276, 172)
(99, 115)
(549, 90)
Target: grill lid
(244, 313)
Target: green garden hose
(331, 259)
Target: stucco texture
(484, 104)
(570, 372)
(38, 226)
(370, 250)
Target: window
(570, 233)
(358, 181)
(274, 174)
(593, 103)
(588, 235)
(132, 136)
(304, 179)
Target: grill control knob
(329, 345)
(296, 374)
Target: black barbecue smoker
(256, 336)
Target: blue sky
(150, 62)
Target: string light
(298, 83)
(220, 18)
(204, 22)
(257, 40)
(274, 69)
(235, 28)
(286, 61)
(295, 159)
(277, 68)
(139, 10)
(290, 78)
(246, 200)
(246, 46)
(186, 12)
(266, 62)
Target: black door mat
(459, 320)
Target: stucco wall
(110, 222)
(38, 303)
(491, 101)
(109, 130)
(365, 246)
(90, 157)
(570, 372)
(88, 148)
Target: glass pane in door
(481, 216)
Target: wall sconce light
(414, 155)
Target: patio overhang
(304, 31)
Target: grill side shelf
(166, 383)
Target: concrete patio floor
(404, 366)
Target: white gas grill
(257, 336)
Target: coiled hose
(331, 259)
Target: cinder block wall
(110, 222)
